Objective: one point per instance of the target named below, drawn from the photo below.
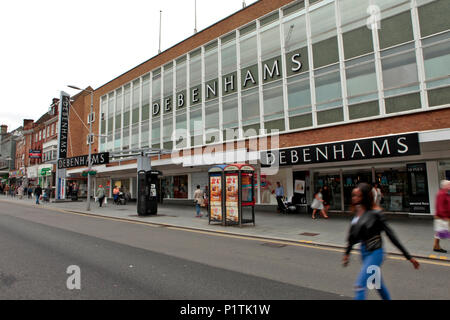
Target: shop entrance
(350, 180)
(333, 181)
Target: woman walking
(366, 228)
(198, 199)
(317, 204)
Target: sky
(48, 44)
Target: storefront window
(350, 180)
(174, 187)
(333, 182)
(394, 187)
(269, 184)
(444, 170)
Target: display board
(232, 197)
(215, 183)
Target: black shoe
(440, 250)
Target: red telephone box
(239, 194)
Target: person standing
(442, 216)
(116, 192)
(20, 191)
(100, 195)
(206, 199)
(7, 190)
(37, 193)
(366, 228)
(317, 204)
(30, 192)
(198, 199)
(279, 194)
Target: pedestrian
(442, 216)
(198, 200)
(279, 194)
(100, 195)
(116, 192)
(317, 204)
(37, 193)
(7, 190)
(30, 192)
(366, 228)
(25, 190)
(326, 198)
(20, 192)
(377, 195)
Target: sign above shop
(35, 154)
(373, 148)
(82, 161)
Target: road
(131, 260)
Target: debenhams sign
(82, 161)
(374, 148)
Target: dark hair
(198, 186)
(366, 194)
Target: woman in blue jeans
(366, 228)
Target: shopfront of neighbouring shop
(406, 168)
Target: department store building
(355, 90)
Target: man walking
(442, 216)
(279, 193)
(100, 195)
(37, 193)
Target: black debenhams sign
(83, 161)
(374, 148)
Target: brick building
(358, 90)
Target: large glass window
(250, 107)
(196, 125)
(230, 116)
(168, 82)
(394, 187)
(295, 33)
(324, 35)
(273, 101)
(436, 51)
(181, 126)
(195, 68)
(229, 55)
(211, 61)
(136, 101)
(361, 80)
(118, 121)
(181, 74)
(146, 97)
(299, 95)
(399, 70)
(333, 183)
(328, 88)
(248, 50)
(212, 121)
(156, 133)
(167, 131)
(270, 41)
(174, 187)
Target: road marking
(309, 244)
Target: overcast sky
(48, 44)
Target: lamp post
(88, 208)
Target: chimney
(26, 123)
(4, 129)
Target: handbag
(441, 229)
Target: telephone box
(148, 192)
(216, 194)
(239, 194)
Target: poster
(299, 186)
(215, 185)
(247, 187)
(232, 197)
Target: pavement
(415, 234)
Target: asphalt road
(124, 260)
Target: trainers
(440, 250)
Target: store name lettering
(391, 146)
(271, 69)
